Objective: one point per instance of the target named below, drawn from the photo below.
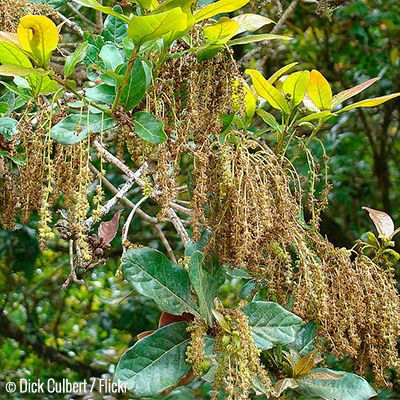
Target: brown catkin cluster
(238, 357)
(12, 11)
(255, 225)
(50, 170)
(188, 96)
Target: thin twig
(125, 228)
(81, 16)
(126, 170)
(180, 208)
(278, 25)
(165, 242)
(71, 24)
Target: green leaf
(149, 128)
(16, 160)
(8, 127)
(42, 84)
(314, 116)
(75, 58)
(106, 10)
(295, 85)
(251, 22)
(247, 289)
(207, 52)
(319, 90)
(238, 273)
(271, 324)
(9, 54)
(269, 119)
(18, 70)
(347, 94)
(73, 129)
(305, 340)
(115, 29)
(111, 57)
(221, 31)
(101, 94)
(274, 97)
(284, 384)
(369, 102)
(280, 72)
(152, 274)
(203, 285)
(151, 27)
(256, 38)
(222, 6)
(155, 362)
(135, 88)
(4, 107)
(349, 387)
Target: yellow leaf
(221, 31)
(268, 92)
(38, 36)
(319, 90)
(222, 6)
(295, 85)
(376, 101)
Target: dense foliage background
(80, 332)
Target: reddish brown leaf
(108, 230)
(144, 334)
(384, 224)
(167, 318)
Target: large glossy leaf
(186, 6)
(305, 340)
(9, 54)
(269, 119)
(348, 387)
(221, 31)
(8, 127)
(18, 70)
(149, 128)
(314, 116)
(251, 22)
(111, 57)
(222, 6)
(155, 362)
(38, 35)
(106, 10)
(203, 285)
(280, 72)
(271, 324)
(268, 92)
(136, 86)
(319, 90)
(151, 27)
(295, 85)
(101, 94)
(347, 94)
(76, 57)
(369, 102)
(256, 38)
(152, 274)
(74, 128)
(115, 29)
(42, 84)
(211, 264)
